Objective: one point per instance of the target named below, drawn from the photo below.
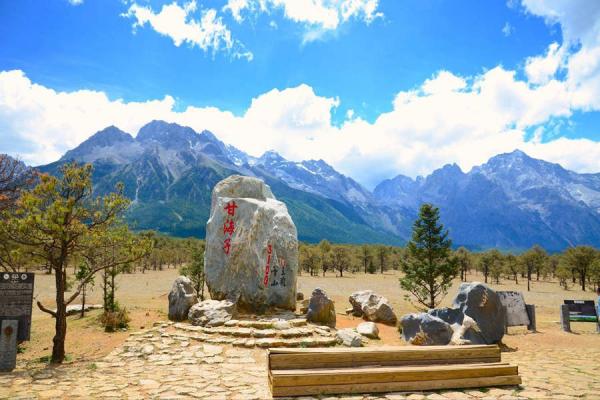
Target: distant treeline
(576, 266)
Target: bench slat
(325, 358)
(396, 386)
(387, 374)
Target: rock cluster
(477, 317)
(321, 309)
(212, 312)
(372, 307)
(181, 299)
(251, 255)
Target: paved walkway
(170, 363)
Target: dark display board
(16, 298)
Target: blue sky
(351, 90)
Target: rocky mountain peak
(270, 157)
(167, 134)
(106, 138)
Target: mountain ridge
(511, 201)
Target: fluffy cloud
(448, 119)
(175, 21)
(578, 55)
(319, 16)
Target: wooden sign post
(16, 298)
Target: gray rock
(372, 307)
(425, 329)
(368, 329)
(465, 329)
(484, 306)
(321, 309)
(251, 253)
(349, 338)
(212, 312)
(74, 309)
(181, 299)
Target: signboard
(516, 312)
(582, 310)
(16, 298)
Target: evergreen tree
(195, 270)
(60, 221)
(429, 267)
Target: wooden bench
(303, 372)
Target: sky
(375, 88)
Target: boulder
(483, 305)
(181, 299)
(477, 317)
(349, 338)
(212, 312)
(251, 255)
(372, 307)
(465, 329)
(425, 329)
(74, 309)
(321, 309)
(368, 329)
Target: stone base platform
(263, 333)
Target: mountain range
(511, 202)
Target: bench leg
(565, 322)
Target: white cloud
(208, 33)
(75, 2)
(448, 119)
(578, 55)
(318, 16)
(540, 69)
(507, 29)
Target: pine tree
(59, 221)
(429, 267)
(195, 270)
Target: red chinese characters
(229, 226)
(268, 267)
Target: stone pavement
(169, 362)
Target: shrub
(114, 320)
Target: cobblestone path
(167, 362)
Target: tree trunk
(105, 289)
(83, 301)
(582, 280)
(58, 348)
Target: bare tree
(14, 176)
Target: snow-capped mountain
(512, 201)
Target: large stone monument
(251, 253)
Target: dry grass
(145, 297)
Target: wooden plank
(383, 356)
(424, 349)
(396, 386)
(387, 374)
(283, 364)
